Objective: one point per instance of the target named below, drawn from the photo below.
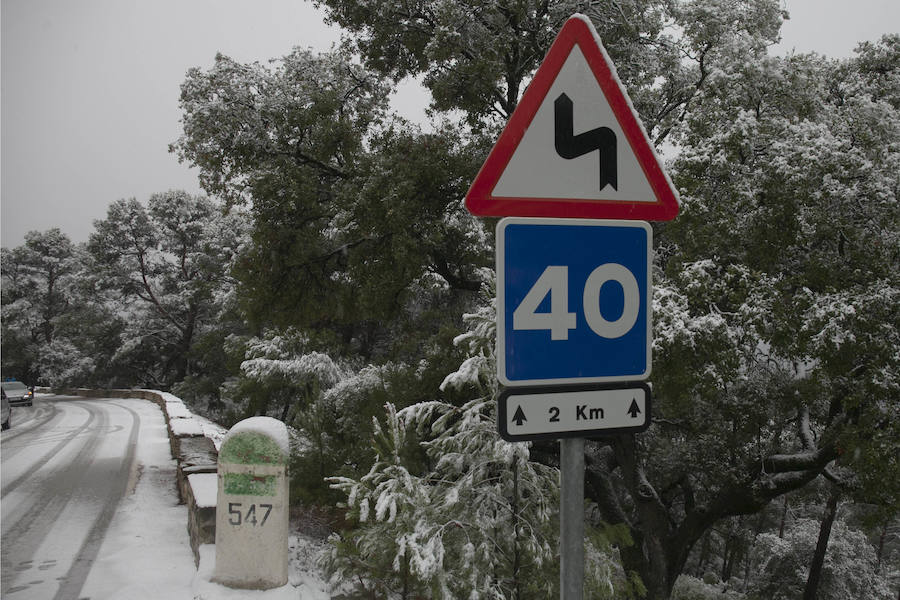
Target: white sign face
(532, 414)
(537, 170)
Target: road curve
(66, 465)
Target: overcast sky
(89, 89)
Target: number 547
(236, 516)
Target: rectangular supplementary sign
(573, 301)
(576, 411)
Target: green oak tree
(359, 235)
(477, 57)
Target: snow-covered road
(70, 467)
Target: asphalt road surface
(66, 464)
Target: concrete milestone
(252, 506)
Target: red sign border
(480, 200)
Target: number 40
(555, 281)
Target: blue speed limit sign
(573, 301)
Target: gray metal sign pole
(571, 519)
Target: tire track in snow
(36, 425)
(45, 503)
(70, 585)
(49, 455)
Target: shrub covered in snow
(691, 588)
(848, 572)
(476, 524)
(450, 510)
(61, 363)
(280, 375)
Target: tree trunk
(404, 594)
(783, 518)
(734, 548)
(726, 552)
(285, 409)
(647, 557)
(748, 555)
(815, 569)
(880, 551)
(652, 554)
(182, 361)
(704, 556)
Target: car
(17, 393)
(5, 412)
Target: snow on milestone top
(268, 426)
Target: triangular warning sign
(574, 146)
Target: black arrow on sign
(519, 417)
(633, 410)
(569, 145)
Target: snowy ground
(146, 553)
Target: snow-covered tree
(692, 588)
(775, 320)
(280, 375)
(167, 267)
(38, 277)
(341, 417)
(283, 139)
(477, 524)
(849, 569)
(477, 57)
(55, 331)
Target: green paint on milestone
(247, 484)
(251, 448)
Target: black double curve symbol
(569, 145)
